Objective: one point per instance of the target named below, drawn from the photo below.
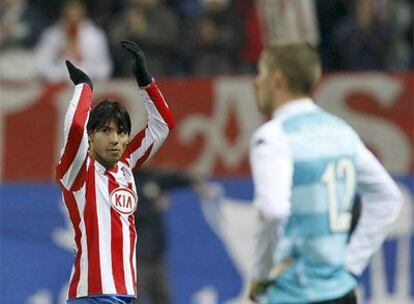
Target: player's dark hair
(299, 63)
(108, 110)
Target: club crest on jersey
(126, 175)
(123, 200)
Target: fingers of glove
(132, 47)
(138, 65)
(77, 75)
(69, 65)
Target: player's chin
(113, 157)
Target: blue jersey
(307, 165)
(323, 187)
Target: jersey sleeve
(71, 169)
(271, 163)
(381, 204)
(160, 122)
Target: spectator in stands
(252, 35)
(363, 39)
(409, 34)
(152, 189)
(187, 8)
(154, 27)
(214, 39)
(289, 21)
(329, 12)
(76, 38)
(20, 24)
(102, 12)
(401, 19)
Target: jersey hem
(103, 295)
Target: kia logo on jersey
(123, 200)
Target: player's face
(108, 144)
(264, 88)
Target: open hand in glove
(77, 75)
(138, 65)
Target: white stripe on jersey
(82, 289)
(126, 252)
(70, 113)
(104, 227)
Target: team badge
(126, 174)
(123, 200)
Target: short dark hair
(299, 62)
(106, 111)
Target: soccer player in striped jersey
(307, 165)
(95, 175)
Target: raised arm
(71, 169)
(160, 121)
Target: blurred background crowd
(198, 37)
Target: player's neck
(101, 161)
(285, 98)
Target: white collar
(294, 107)
(102, 169)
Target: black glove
(138, 65)
(76, 75)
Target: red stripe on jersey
(132, 234)
(160, 104)
(144, 157)
(76, 131)
(117, 246)
(80, 179)
(74, 216)
(134, 144)
(92, 234)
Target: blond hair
(299, 63)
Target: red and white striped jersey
(101, 202)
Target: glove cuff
(143, 78)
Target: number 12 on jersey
(339, 206)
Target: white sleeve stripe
(156, 132)
(70, 113)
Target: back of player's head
(106, 111)
(299, 63)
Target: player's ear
(90, 137)
(278, 79)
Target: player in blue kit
(307, 165)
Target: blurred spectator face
(215, 6)
(73, 12)
(208, 30)
(136, 19)
(9, 3)
(365, 13)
